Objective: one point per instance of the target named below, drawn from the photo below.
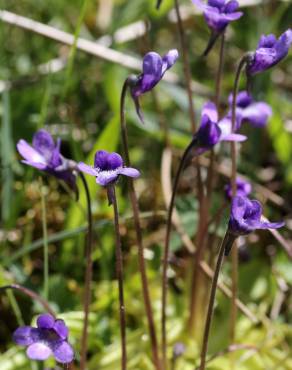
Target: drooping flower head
(107, 168)
(49, 338)
(212, 131)
(154, 67)
(243, 188)
(247, 110)
(219, 13)
(245, 217)
(44, 154)
(269, 52)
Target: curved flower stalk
(270, 51)
(154, 67)
(210, 133)
(128, 84)
(243, 188)
(218, 14)
(247, 110)
(107, 169)
(245, 217)
(49, 338)
(44, 154)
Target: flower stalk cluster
(50, 335)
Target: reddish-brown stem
(119, 272)
(88, 276)
(204, 207)
(166, 251)
(226, 243)
(141, 262)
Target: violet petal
(38, 351)
(63, 352)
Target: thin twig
(230, 349)
(90, 47)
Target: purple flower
(44, 154)
(247, 110)
(154, 67)
(107, 168)
(243, 188)
(219, 13)
(211, 131)
(269, 52)
(49, 338)
(178, 349)
(246, 216)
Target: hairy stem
(119, 272)
(233, 186)
(226, 243)
(141, 262)
(166, 249)
(88, 276)
(31, 294)
(186, 67)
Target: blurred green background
(75, 96)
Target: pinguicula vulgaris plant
(245, 217)
(243, 188)
(107, 168)
(49, 338)
(250, 111)
(154, 68)
(45, 155)
(50, 335)
(211, 132)
(218, 14)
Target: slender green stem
(15, 307)
(141, 262)
(119, 272)
(31, 294)
(45, 239)
(186, 67)
(233, 186)
(226, 243)
(166, 250)
(88, 276)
